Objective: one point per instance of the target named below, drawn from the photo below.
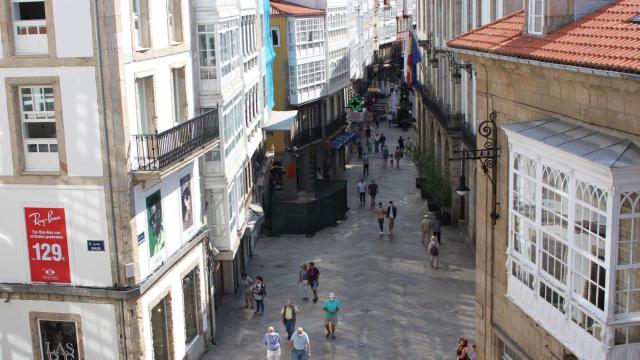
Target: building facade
(104, 233)
(557, 275)
(231, 78)
(446, 101)
(312, 66)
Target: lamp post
(488, 157)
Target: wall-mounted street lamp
(488, 157)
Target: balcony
(335, 126)
(156, 155)
(307, 136)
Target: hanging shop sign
(47, 242)
(59, 340)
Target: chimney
(546, 16)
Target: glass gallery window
(574, 203)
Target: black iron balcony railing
(156, 152)
(305, 136)
(335, 125)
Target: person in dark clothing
(360, 150)
(435, 228)
(313, 277)
(401, 144)
(382, 140)
(373, 191)
(392, 213)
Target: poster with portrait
(185, 202)
(154, 223)
(59, 340)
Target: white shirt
(362, 187)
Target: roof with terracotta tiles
(604, 39)
(288, 8)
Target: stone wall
(523, 92)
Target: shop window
(160, 329)
(56, 335)
(39, 135)
(190, 287)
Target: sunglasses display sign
(47, 241)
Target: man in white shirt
(362, 191)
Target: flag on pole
(411, 59)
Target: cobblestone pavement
(394, 306)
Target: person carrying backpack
(434, 250)
(259, 293)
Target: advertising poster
(47, 242)
(185, 202)
(58, 340)
(154, 223)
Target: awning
(339, 141)
(281, 120)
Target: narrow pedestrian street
(394, 306)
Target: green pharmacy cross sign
(355, 104)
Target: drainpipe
(100, 89)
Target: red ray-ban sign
(47, 241)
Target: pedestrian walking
(401, 143)
(391, 160)
(246, 287)
(398, 156)
(303, 283)
(409, 145)
(272, 341)
(376, 142)
(435, 227)
(331, 308)
(259, 293)
(463, 350)
(373, 191)
(380, 214)
(434, 251)
(365, 164)
(377, 123)
(474, 349)
(362, 191)
(289, 313)
(313, 276)
(300, 345)
(367, 132)
(383, 140)
(360, 149)
(385, 156)
(392, 213)
(425, 227)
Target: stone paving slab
(394, 306)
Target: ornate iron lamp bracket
(487, 156)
